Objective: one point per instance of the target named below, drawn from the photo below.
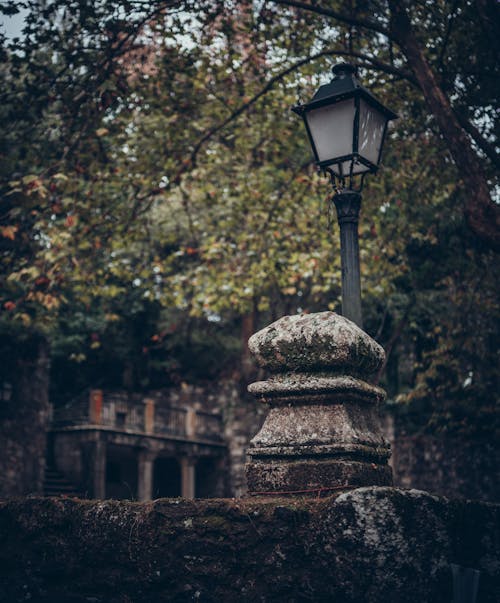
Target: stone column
(95, 406)
(188, 477)
(323, 429)
(190, 422)
(149, 415)
(145, 464)
(99, 468)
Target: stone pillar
(188, 477)
(190, 422)
(323, 430)
(149, 416)
(99, 468)
(145, 464)
(95, 406)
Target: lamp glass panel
(358, 168)
(331, 128)
(371, 130)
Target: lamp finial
(341, 70)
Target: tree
(441, 81)
(156, 187)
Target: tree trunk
(24, 417)
(247, 330)
(482, 214)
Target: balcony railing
(171, 421)
(145, 416)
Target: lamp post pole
(346, 126)
(348, 204)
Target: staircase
(55, 484)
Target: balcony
(143, 416)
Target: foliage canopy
(156, 188)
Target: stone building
(191, 441)
(125, 446)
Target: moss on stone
(369, 544)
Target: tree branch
(451, 22)
(280, 76)
(488, 149)
(481, 213)
(343, 18)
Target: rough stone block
(323, 430)
(370, 545)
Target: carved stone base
(318, 446)
(323, 430)
(310, 476)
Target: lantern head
(346, 125)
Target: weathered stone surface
(371, 545)
(346, 427)
(24, 417)
(323, 429)
(313, 342)
(293, 385)
(313, 476)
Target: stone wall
(24, 417)
(444, 466)
(447, 466)
(73, 452)
(242, 418)
(366, 546)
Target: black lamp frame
(338, 90)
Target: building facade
(126, 446)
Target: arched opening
(121, 473)
(167, 478)
(207, 478)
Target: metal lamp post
(346, 126)
(322, 432)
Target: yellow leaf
(29, 179)
(24, 318)
(50, 302)
(78, 357)
(9, 232)
(111, 317)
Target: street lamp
(346, 126)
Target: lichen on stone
(319, 341)
(373, 545)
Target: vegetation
(158, 197)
